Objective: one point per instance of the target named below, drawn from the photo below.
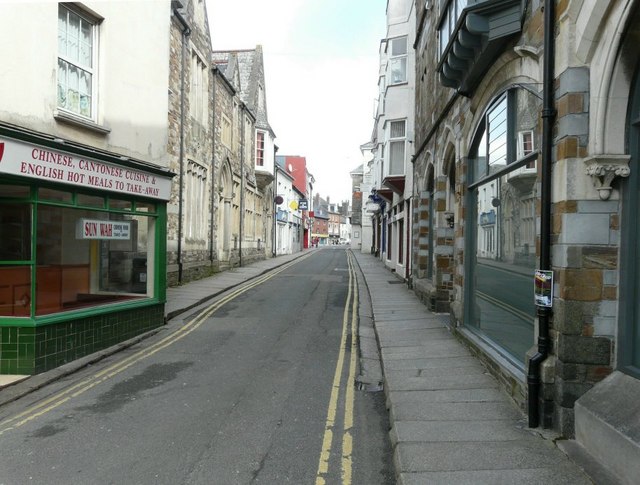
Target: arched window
(502, 196)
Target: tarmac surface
(450, 421)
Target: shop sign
(100, 229)
(303, 204)
(22, 159)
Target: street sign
(303, 204)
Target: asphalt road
(254, 387)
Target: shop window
(90, 201)
(15, 232)
(15, 247)
(76, 62)
(124, 205)
(145, 207)
(503, 193)
(54, 195)
(87, 258)
(14, 191)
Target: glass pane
(51, 194)
(14, 191)
(120, 204)
(396, 155)
(90, 200)
(85, 45)
(73, 82)
(15, 291)
(397, 129)
(88, 258)
(497, 132)
(73, 37)
(62, 32)
(62, 83)
(399, 46)
(145, 207)
(503, 307)
(15, 232)
(398, 70)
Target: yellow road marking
(327, 441)
(61, 397)
(347, 439)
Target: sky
(321, 75)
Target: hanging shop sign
(22, 159)
(543, 288)
(303, 204)
(100, 229)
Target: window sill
(66, 117)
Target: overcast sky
(321, 69)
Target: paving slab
(477, 369)
(561, 475)
(493, 394)
(455, 411)
(398, 383)
(444, 348)
(445, 362)
(446, 431)
(468, 456)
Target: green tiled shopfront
(82, 250)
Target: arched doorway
(224, 214)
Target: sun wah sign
(98, 229)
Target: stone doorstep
(607, 423)
(8, 380)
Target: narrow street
(256, 386)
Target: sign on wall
(100, 229)
(303, 204)
(22, 159)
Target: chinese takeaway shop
(82, 250)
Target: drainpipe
(242, 142)
(213, 162)
(186, 32)
(548, 116)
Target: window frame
(152, 209)
(397, 140)
(260, 147)
(395, 58)
(94, 23)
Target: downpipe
(186, 32)
(548, 115)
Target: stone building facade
(191, 231)
(527, 141)
(245, 154)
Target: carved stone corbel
(603, 169)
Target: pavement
(450, 421)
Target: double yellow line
(83, 386)
(349, 393)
